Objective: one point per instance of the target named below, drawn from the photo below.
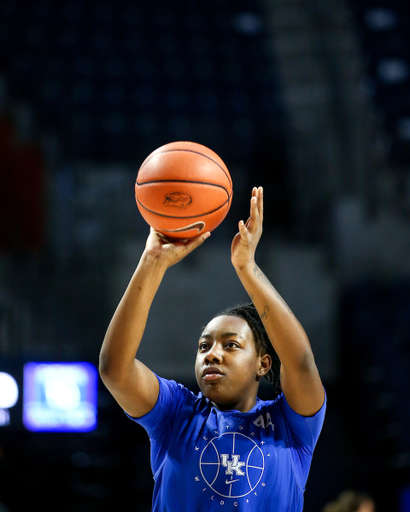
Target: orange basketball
(183, 189)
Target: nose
(214, 355)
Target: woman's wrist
(245, 267)
(154, 260)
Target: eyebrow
(223, 335)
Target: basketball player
(223, 450)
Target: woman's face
(227, 367)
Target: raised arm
(131, 383)
(300, 380)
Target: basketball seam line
(185, 217)
(141, 184)
(189, 151)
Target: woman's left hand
(245, 242)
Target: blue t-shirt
(206, 460)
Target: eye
(231, 344)
(203, 346)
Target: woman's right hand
(171, 251)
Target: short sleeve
(305, 428)
(304, 433)
(159, 422)
(163, 413)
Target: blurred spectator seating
(375, 322)
(117, 79)
(384, 29)
(22, 220)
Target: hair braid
(248, 312)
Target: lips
(212, 373)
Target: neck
(241, 407)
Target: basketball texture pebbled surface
(183, 189)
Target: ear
(265, 363)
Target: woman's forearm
(284, 330)
(127, 325)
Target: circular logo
(232, 465)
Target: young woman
(224, 449)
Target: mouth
(212, 373)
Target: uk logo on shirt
(232, 465)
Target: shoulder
(274, 406)
(280, 409)
(173, 393)
(174, 398)
(281, 406)
(305, 430)
(176, 404)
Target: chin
(215, 396)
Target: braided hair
(248, 312)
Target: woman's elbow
(106, 368)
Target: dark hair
(248, 312)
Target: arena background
(308, 98)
